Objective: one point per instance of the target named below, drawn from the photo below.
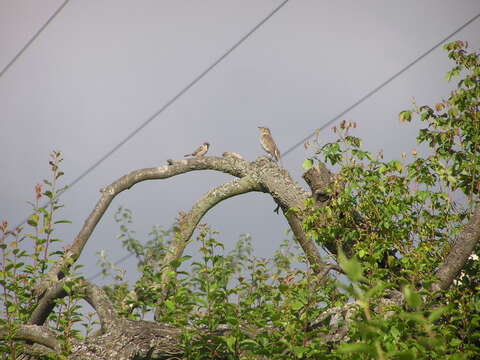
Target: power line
(355, 104)
(178, 95)
(379, 87)
(169, 102)
(34, 37)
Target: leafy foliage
(388, 224)
(21, 270)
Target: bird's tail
(278, 157)
(187, 155)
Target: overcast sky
(101, 68)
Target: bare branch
(93, 294)
(132, 339)
(307, 244)
(35, 351)
(99, 300)
(236, 168)
(47, 302)
(459, 253)
(260, 175)
(327, 268)
(37, 334)
(188, 222)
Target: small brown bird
(202, 150)
(268, 144)
(233, 155)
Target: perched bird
(202, 150)
(233, 155)
(268, 144)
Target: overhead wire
(207, 70)
(355, 104)
(381, 86)
(170, 102)
(33, 38)
(178, 95)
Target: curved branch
(327, 268)
(47, 302)
(307, 244)
(36, 334)
(459, 253)
(236, 168)
(93, 294)
(261, 175)
(188, 222)
(99, 300)
(36, 351)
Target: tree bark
(462, 248)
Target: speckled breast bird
(202, 150)
(268, 144)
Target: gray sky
(101, 68)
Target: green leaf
(248, 343)
(33, 220)
(356, 348)
(437, 313)
(405, 355)
(297, 305)
(455, 342)
(171, 274)
(299, 351)
(397, 165)
(379, 287)
(62, 222)
(169, 304)
(307, 164)
(405, 116)
(352, 267)
(413, 299)
(231, 340)
(176, 263)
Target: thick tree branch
(307, 244)
(36, 334)
(99, 300)
(93, 294)
(47, 302)
(260, 175)
(459, 253)
(131, 339)
(235, 167)
(188, 222)
(36, 351)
